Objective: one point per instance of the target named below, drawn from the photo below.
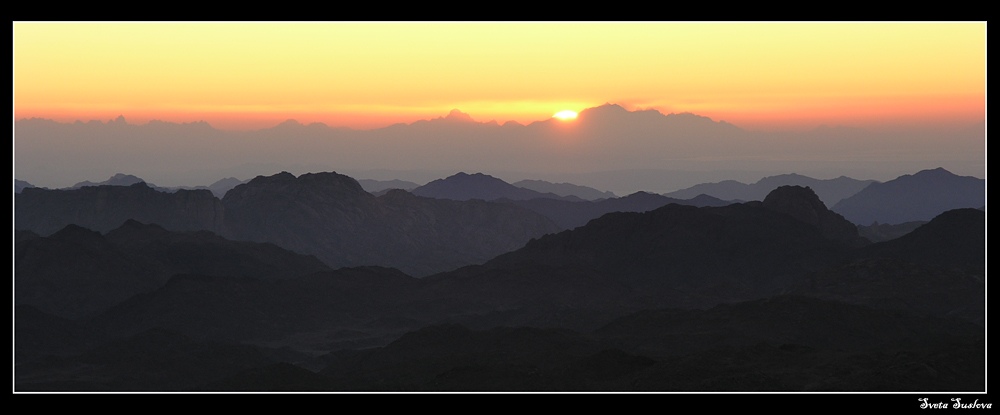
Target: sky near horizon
(246, 76)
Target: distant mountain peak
(912, 197)
(607, 108)
(123, 176)
(329, 181)
(938, 172)
(458, 116)
(275, 178)
(786, 175)
(612, 114)
(687, 114)
(463, 186)
(463, 175)
(290, 123)
(119, 179)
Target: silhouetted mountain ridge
(829, 191)
(953, 238)
(802, 203)
(571, 214)
(78, 273)
(917, 197)
(331, 216)
(103, 208)
(738, 251)
(562, 312)
(564, 189)
(323, 214)
(462, 186)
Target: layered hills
(116, 180)
(218, 188)
(21, 185)
(78, 273)
(564, 189)
(568, 211)
(738, 251)
(570, 214)
(604, 139)
(462, 186)
(103, 208)
(324, 214)
(829, 191)
(938, 270)
(375, 186)
(780, 294)
(331, 216)
(917, 197)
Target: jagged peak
(458, 116)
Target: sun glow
(565, 115)
(372, 75)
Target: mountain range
(829, 191)
(77, 272)
(916, 197)
(781, 294)
(604, 138)
(327, 215)
(463, 186)
(376, 186)
(565, 189)
(571, 214)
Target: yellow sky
(363, 75)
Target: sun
(565, 115)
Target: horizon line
(789, 126)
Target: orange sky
(243, 76)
